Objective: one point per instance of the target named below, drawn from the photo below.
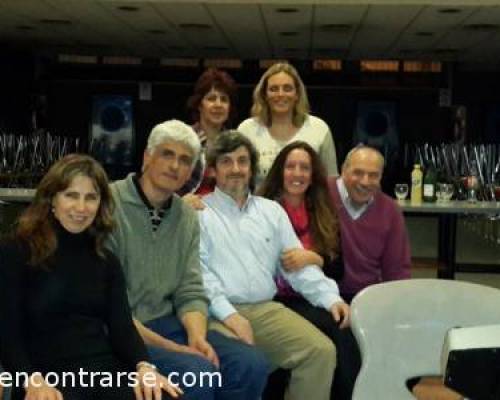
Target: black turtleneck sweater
(67, 315)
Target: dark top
(71, 312)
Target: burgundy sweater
(375, 247)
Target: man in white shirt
(242, 238)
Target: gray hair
(360, 147)
(175, 131)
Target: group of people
(232, 251)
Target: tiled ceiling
(464, 31)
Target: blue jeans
(243, 368)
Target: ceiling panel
(201, 33)
(289, 33)
(134, 27)
(247, 34)
(334, 27)
(244, 29)
(381, 27)
(30, 14)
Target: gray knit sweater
(162, 268)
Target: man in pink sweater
(375, 242)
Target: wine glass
(401, 191)
(447, 190)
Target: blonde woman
(280, 115)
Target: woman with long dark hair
(63, 303)
(297, 180)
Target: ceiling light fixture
(481, 27)
(128, 8)
(287, 10)
(335, 28)
(51, 21)
(424, 34)
(25, 28)
(449, 10)
(195, 26)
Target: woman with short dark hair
(213, 108)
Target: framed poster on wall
(112, 137)
(376, 126)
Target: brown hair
(260, 108)
(322, 214)
(229, 141)
(36, 227)
(213, 78)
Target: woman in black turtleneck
(63, 302)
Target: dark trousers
(348, 355)
(244, 368)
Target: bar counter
(447, 214)
(16, 195)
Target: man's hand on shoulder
(194, 201)
(241, 327)
(341, 312)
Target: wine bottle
(430, 181)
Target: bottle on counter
(430, 183)
(472, 185)
(416, 185)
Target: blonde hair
(260, 108)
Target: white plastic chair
(400, 327)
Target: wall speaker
(376, 126)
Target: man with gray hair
(375, 246)
(157, 242)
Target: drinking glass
(446, 191)
(401, 190)
(439, 195)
